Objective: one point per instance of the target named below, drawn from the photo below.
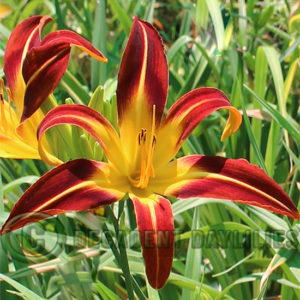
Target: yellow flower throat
(146, 146)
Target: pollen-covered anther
(1, 90)
(146, 156)
(142, 137)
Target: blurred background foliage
(248, 49)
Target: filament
(4, 118)
(147, 145)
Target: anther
(147, 144)
(2, 90)
(3, 102)
(143, 136)
(2, 85)
(9, 96)
(153, 141)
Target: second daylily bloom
(33, 68)
(5, 10)
(139, 157)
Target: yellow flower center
(146, 146)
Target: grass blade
(215, 13)
(294, 131)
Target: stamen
(2, 101)
(9, 96)
(151, 143)
(154, 141)
(2, 85)
(152, 168)
(147, 169)
(143, 162)
(147, 145)
(2, 90)
(3, 117)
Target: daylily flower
(5, 10)
(33, 68)
(139, 157)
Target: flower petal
(5, 10)
(23, 38)
(185, 114)
(74, 186)
(12, 144)
(155, 224)
(54, 49)
(223, 178)
(91, 121)
(142, 83)
(14, 147)
(28, 129)
(45, 65)
(42, 70)
(73, 38)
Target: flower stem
(121, 254)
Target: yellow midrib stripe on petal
(64, 193)
(208, 175)
(19, 85)
(181, 116)
(90, 53)
(25, 50)
(36, 73)
(141, 87)
(233, 122)
(87, 183)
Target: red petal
(224, 178)
(155, 224)
(143, 74)
(142, 87)
(72, 38)
(75, 186)
(42, 70)
(185, 114)
(40, 78)
(45, 65)
(196, 105)
(89, 120)
(24, 37)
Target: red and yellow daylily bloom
(5, 10)
(139, 157)
(33, 68)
